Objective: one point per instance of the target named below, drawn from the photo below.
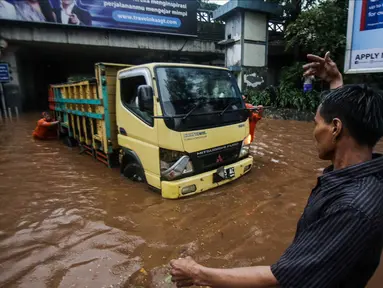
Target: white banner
(364, 48)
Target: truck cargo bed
(87, 111)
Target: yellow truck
(180, 128)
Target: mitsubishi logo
(219, 159)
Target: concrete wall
(254, 55)
(246, 44)
(233, 55)
(233, 31)
(255, 26)
(233, 27)
(255, 39)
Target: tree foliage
(323, 28)
(206, 5)
(319, 29)
(288, 94)
(319, 26)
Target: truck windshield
(198, 98)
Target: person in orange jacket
(256, 113)
(46, 128)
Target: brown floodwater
(68, 221)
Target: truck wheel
(134, 172)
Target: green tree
(323, 28)
(319, 29)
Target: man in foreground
(46, 128)
(338, 241)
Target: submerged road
(68, 221)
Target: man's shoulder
(41, 122)
(7, 5)
(10, 9)
(362, 194)
(78, 9)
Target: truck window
(208, 91)
(129, 99)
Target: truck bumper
(202, 182)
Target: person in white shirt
(7, 10)
(70, 13)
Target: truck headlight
(245, 148)
(174, 164)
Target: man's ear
(337, 127)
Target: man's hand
(325, 69)
(260, 110)
(185, 272)
(73, 19)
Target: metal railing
(206, 16)
(276, 26)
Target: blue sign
(372, 15)
(4, 73)
(156, 16)
(364, 49)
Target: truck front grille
(209, 159)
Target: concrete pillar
(246, 37)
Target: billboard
(364, 48)
(155, 16)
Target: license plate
(223, 174)
(229, 173)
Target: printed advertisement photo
(156, 16)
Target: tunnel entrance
(39, 65)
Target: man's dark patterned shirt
(338, 241)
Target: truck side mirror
(145, 98)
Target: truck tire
(134, 172)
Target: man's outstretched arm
(321, 256)
(254, 277)
(48, 124)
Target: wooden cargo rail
(87, 112)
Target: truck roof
(154, 64)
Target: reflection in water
(68, 221)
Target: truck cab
(181, 128)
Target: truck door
(137, 130)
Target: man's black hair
(359, 108)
